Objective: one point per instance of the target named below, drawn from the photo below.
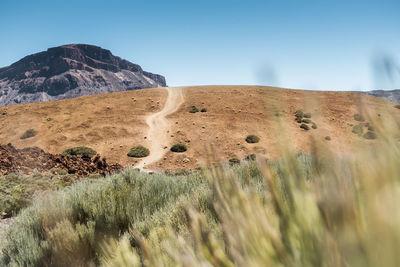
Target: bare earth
(157, 139)
(157, 118)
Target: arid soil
(113, 123)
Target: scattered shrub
(358, 117)
(178, 147)
(234, 161)
(358, 129)
(203, 110)
(306, 120)
(307, 115)
(252, 139)
(299, 119)
(193, 109)
(370, 127)
(314, 125)
(79, 151)
(29, 133)
(251, 157)
(328, 138)
(299, 113)
(369, 135)
(305, 127)
(397, 106)
(138, 152)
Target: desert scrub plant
(250, 157)
(252, 139)
(179, 148)
(138, 152)
(203, 110)
(303, 218)
(397, 106)
(28, 133)
(369, 135)
(358, 129)
(306, 120)
(79, 151)
(234, 161)
(302, 210)
(314, 125)
(358, 117)
(91, 209)
(193, 109)
(307, 115)
(304, 127)
(16, 191)
(328, 138)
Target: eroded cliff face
(71, 71)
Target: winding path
(159, 126)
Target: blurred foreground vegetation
(319, 210)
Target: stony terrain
(113, 123)
(71, 71)
(391, 95)
(28, 160)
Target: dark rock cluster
(28, 160)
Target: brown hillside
(113, 123)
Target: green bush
(305, 127)
(314, 125)
(194, 109)
(370, 127)
(369, 135)
(203, 110)
(358, 129)
(138, 152)
(16, 191)
(307, 115)
(299, 113)
(179, 148)
(252, 139)
(79, 151)
(302, 210)
(358, 117)
(306, 120)
(29, 133)
(234, 161)
(251, 157)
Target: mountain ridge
(391, 95)
(71, 70)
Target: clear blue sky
(310, 44)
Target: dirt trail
(159, 126)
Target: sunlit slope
(112, 123)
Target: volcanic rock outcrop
(29, 159)
(71, 71)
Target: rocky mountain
(392, 95)
(70, 71)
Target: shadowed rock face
(71, 71)
(391, 95)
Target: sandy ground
(158, 140)
(113, 123)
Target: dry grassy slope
(112, 123)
